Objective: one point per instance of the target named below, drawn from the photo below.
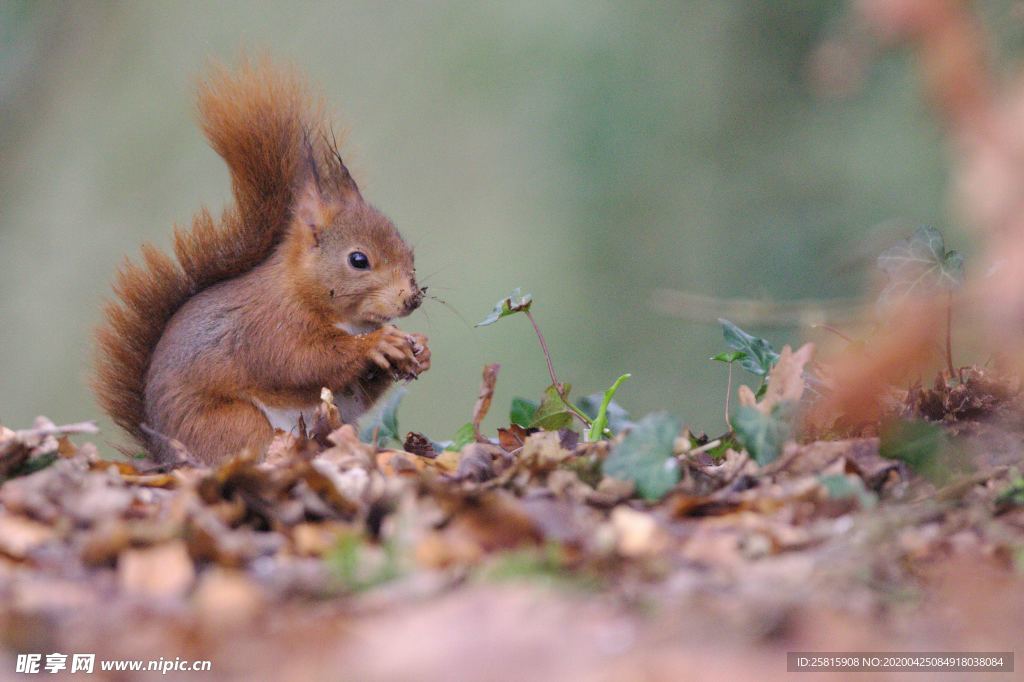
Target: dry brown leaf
(544, 449)
(394, 463)
(163, 572)
(13, 454)
(746, 396)
(102, 545)
(476, 462)
(340, 490)
(347, 446)
(122, 467)
(439, 550)
(493, 520)
(316, 539)
(65, 448)
(483, 401)
(283, 449)
(41, 594)
(326, 418)
(19, 536)
(419, 445)
(637, 534)
(211, 539)
(152, 480)
(227, 598)
(513, 437)
(786, 381)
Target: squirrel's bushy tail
(257, 117)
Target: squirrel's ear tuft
(340, 179)
(313, 208)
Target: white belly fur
(350, 407)
(287, 418)
(354, 329)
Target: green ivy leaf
(645, 456)
(463, 437)
(553, 413)
(523, 411)
(843, 486)
(512, 304)
(1011, 496)
(718, 452)
(762, 435)
(758, 355)
(920, 265)
(383, 418)
(32, 465)
(919, 445)
(728, 356)
(355, 567)
(761, 390)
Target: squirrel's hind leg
(217, 433)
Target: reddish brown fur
(247, 320)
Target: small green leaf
(718, 452)
(920, 265)
(32, 465)
(1011, 496)
(553, 413)
(919, 445)
(618, 416)
(545, 565)
(383, 418)
(512, 304)
(523, 411)
(842, 486)
(728, 356)
(763, 435)
(600, 425)
(761, 390)
(759, 356)
(463, 437)
(360, 567)
(645, 456)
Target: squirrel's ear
(311, 211)
(313, 208)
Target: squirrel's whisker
(452, 308)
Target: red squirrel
(293, 289)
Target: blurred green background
(588, 151)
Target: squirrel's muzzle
(415, 300)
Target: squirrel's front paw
(393, 350)
(421, 351)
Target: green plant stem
(949, 335)
(547, 354)
(551, 371)
(728, 394)
(710, 445)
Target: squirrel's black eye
(358, 260)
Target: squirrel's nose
(415, 300)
